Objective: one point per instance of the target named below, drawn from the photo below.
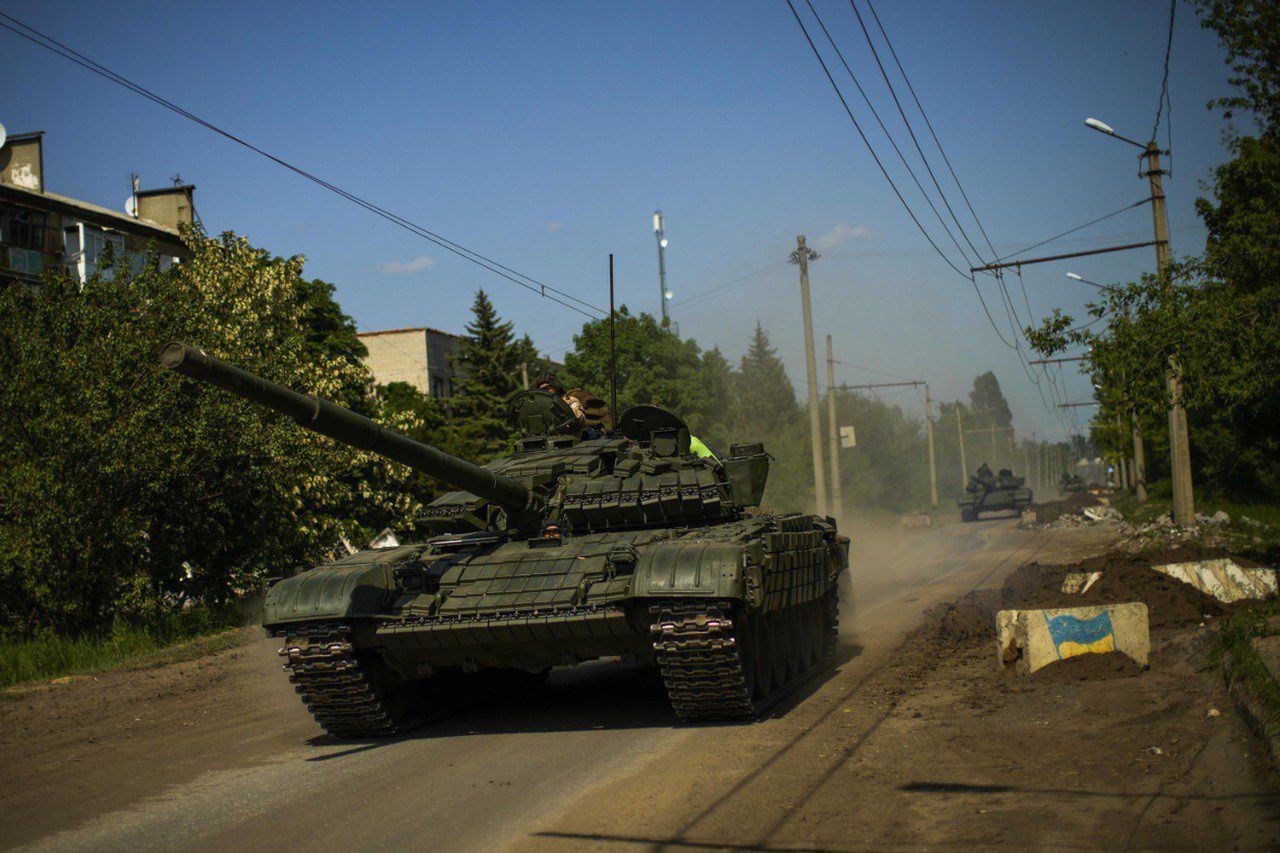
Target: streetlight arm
(1103, 128)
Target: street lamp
(1179, 441)
(1103, 127)
(1083, 280)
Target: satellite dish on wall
(131, 206)
(3, 136)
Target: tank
(572, 548)
(987, 492)
(1071, 483)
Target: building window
(22, 240)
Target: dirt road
(218, 753)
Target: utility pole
(801, 256)
(933, 466)
(1184, 511)
(660, 234)
(1035, 480)
(964, 466)
(837, 501)
(524, 374)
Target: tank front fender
(711, 569)
(359, 585)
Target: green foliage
(124, 644)
(489, 366)
(1215, 319)
(655, 365)
(763, 387)
(1250, 33)
(125, 489)
(989, 404)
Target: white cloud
(555, 226)
(422, 262)
(841, 234)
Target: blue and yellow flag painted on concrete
(1072, 636)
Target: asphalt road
(239, 766)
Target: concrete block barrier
(1027, 640)
(1224, 579)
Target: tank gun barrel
(347, 427)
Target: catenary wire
(910, 130)
(51, 44)
(867, 142)
(1164, 82)
(928, 124)
(883, 127)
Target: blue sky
(545, 134)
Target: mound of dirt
(970, 621)
(1125, 577)
(1071, 504)
(1088, 668)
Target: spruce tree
(489, 364)
(766, 398)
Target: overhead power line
(928, 124)
(910, 131)
(544, 290)
(1026, 249)
(865, 141)
(889, 136)
(1164, 82)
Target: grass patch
(128, 644)
(1234, 641)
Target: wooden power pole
(933, 465)
(964, 466)
(1184, 512)
(837, 501)
(802, 255)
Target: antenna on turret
(613, 351)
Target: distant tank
(571, 548)
(1072, 483)
(987, 492)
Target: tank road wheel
(829, 626)
(811, 629)
(796, 658)
(763, 657)
(777, 629)
(698, 647)
(350, 693)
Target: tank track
(703, 666)
(336, 686)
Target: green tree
(489, 364)
(766, 398)
(125, 488)
(655, 365)
(990, 408)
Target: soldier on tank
(594, 416)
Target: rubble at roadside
(1093, 507)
